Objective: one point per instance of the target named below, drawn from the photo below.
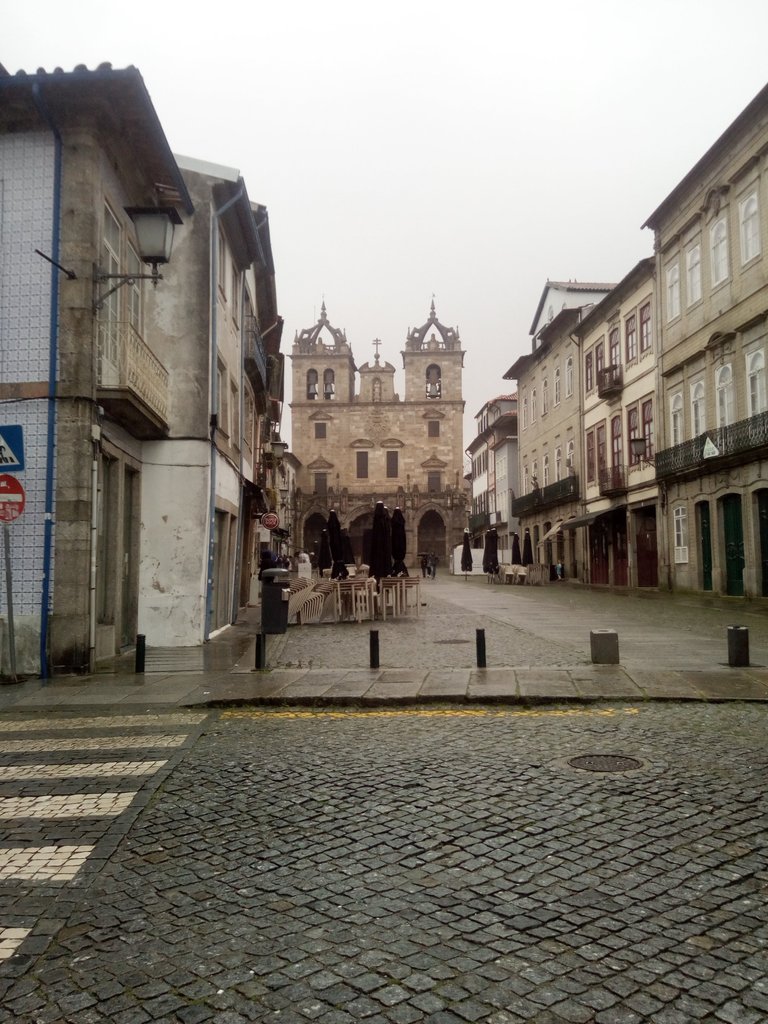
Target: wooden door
(733, 535)
(705, 545)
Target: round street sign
(12, 498)
(269, 520)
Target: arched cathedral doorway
(432, 535)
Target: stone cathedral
(358, 442)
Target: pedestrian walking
(423, 564)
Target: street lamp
(638, 447)
(154, 227)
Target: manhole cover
(605, 763)
(453, 641)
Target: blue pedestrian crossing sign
(11, 449)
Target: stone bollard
(604, 644)
(738, 646)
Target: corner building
(358, 442)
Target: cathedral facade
(358, 442)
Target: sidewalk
(537, 639)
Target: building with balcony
(711, 246)
(494, 474)
(358, 442)
(549, 428)
(618, 351)
(141, 401)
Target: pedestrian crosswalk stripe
(42, 863)
(89, 743)
(10, 940)
(91, 770)
(113, 722)
(77, 805)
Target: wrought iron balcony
(613, 480)
(543, 497)
(610, 381)
(727, 444)
(133, 383)
(479, 521)
(254, 355)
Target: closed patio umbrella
(398, 544)
(324, 559)
(346, 548)
(491, 552)
(339, 570)
(466, 555)
(381, 561)
(527, 549)
(517, 558)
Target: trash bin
(275, 593)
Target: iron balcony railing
(479, 521)
(127, 363)
(739, 438)
(542, 497)
(612, 479)
(254, 354)
(610, 381)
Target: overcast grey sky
(406, 149)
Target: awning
(551, 533)
(574, 521)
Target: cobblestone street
(444, 865)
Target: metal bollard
(141, 652)
(261, 652)
(480, 645)
(738, 646)
(374, 646)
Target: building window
(321, 431)
(222, 267)
(321, 484)
(724, 388)
(645, 328)
(545, 397)
(235, 293)
(392, 469)
(630, 333)
(535, 475)
(673, 292)
(602, 461)
(234, 394)
(614, 347)
(680, 515)
(599, 359)
(433, 428)
(590, 456)
(545, 471)
(311, 384)
(133, 266)
(693, 274)
(616, 453)
(433, 384)
(558, 463)
(557, 386)
(588, 380)
(525, 412)
(648, 428)
(329, 385)
(676, 418)
(433, 483)
(632, 431)
(533, 406)
(718, 247)
(362, 465)
(569, 377)
(525, 480)
(750, 228)
(756, 383)
(697, 409)
(222, 387)
(569, 459)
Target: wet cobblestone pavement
(439, 865)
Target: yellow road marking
(431, 713)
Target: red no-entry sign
(12, 498)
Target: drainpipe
(96, 443)
(53, 335)
(217, 214)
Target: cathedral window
(329, 384)
(392, 465)
(311, 384)
(433, 428)
(433, 381)
(433, 483)
(362, 465)
(321, 430)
